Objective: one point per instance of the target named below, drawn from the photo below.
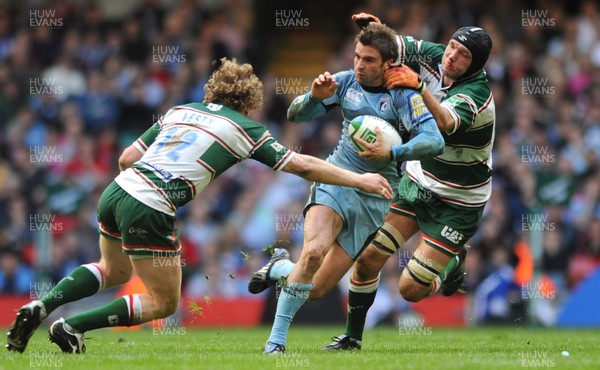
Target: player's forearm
(317, 170)
(442, 117)
(304, 108)
(426, 144)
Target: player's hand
(324, 86)
(402, 76)
(376, 184)
(362, 20)
(378, 151)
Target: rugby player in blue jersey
(338, 220)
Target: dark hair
(381, 38)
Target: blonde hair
(235, 86)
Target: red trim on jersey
(402, 209)
(471, 106)
(440, 244)
(191, 185)
(103, 228)
(260, 143)
(142, 144)
(238, 127)
(431, 70)
(283, 160)
(460, 203)
(456, 186)
(151, 248)
(485, 105)
(403, 52)
(229, 149)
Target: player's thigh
(335, 265)
(322, 225)
(406, 225)
(115, 264)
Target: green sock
(82, 282)
(124, 311)
(448, 269)
(359, 303)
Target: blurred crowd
(76, 89)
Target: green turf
(384, 348)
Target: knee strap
(422, 270)
(388, 239)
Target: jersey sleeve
(412, 109)
(427, 140)
(271, 153)
(305, 108)
(463, 110)
(408, 51)
(147, 138)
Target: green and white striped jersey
(462, 174)
(189, 147)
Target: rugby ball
(364, 128)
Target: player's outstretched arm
(403, 76)
(315, 169)
(308, 106)
(427, 143)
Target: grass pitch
(383, 348)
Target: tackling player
(442, 197)
(168, 166)
(338, 220)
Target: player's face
(368, 65)
(456, 60)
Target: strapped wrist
(421, 87)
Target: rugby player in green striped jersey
(442, 197)
(168, 166)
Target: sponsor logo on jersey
(452, 235)
(353, 96)
(214, 107)
(138, 231)
(277, 147)
(418, 106)
(164, 173)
